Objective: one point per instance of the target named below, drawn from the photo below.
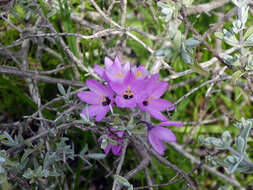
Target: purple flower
(129, 91)
(100, 97)
(157, 134)
(116, 149)
(153, 104)
(139, 72)
(114, 71)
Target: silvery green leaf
(159, 52)
(226, 138)
(50, 158)
(241, 145)
(172, 32)
(236, 3)
(104, 144)
(112, 142)
(44, 173)
(68, 92)
(122, 180)
(218, 143)
(248, 33)
(10, 141)
(177, 41)
(28, 174)
(246, 129)
(96, 156)
(26, 154)
(2, 170)
(164, 52)
(86, 161)
(139, 131)
(219, 35)
(61, 89)
(85, 149)
(237, 26)
(230, 38)
(192, 42)
(229, 60)
(2, 160)
(249, 66)
(249, 41)
(130, 187)
(245, 10)
(231, 159)
(187, 58)
(234, 167)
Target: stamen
(105, 101)
(138, 74)
(120, 74)
(128, 94)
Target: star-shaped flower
(100, 97)
(153, 104)
(157, 134)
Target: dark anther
(145, 103)
(127, 97)
(106, 102)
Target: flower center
(106, 101)
(145, 103)
(128, 94)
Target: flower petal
(96, 110)
(95, 87)
(108, 62)
(107, 148)
(116, 150)
(99, 88)
(117, 87)
(156, 114)
(164, 134)
(140, 97)
(99, 70)
(117, 61)
(89, 97)
(123, 103)
(159, 104)
(156, 144)
(120, 133)
(101, 114)
(160, 88)
(126, 67)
